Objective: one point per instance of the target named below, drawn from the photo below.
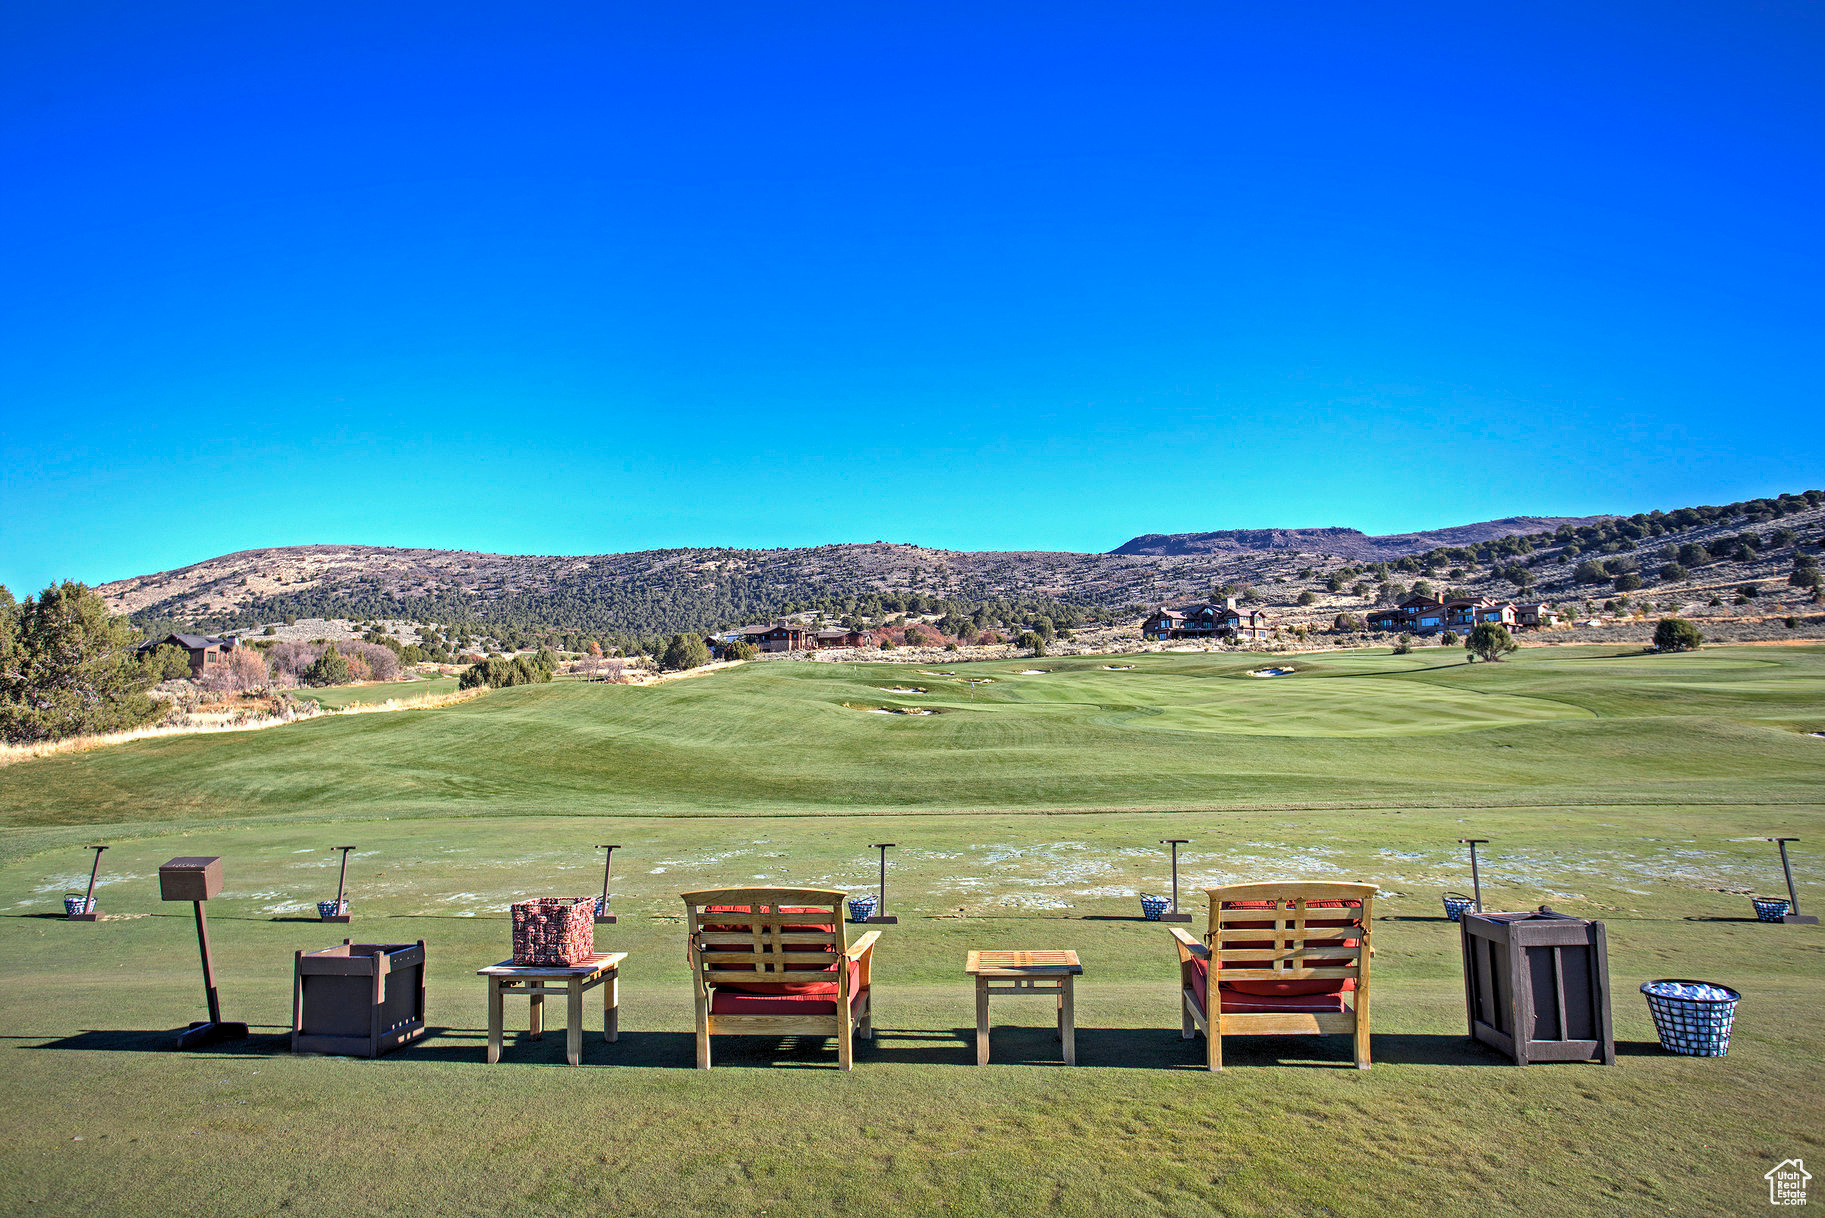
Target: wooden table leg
(1060, 1030)
(538, 1013)
(495, 1019)
(573, 1025)
(611, 1008)
(1069, 1028)
(982, 1021)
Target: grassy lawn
(1616, 786)
(335, 697)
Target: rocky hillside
(1345, 543)
(1307, 576)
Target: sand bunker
(924, 673)
(1034, 672)
(1118, 668)
(904, 689)
(1271, 672)
(899, 710)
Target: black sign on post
(1173, 915)
(89, 912)
(1476, 877)
(341, 914)
(603, 916)
(1794, 916)
(196, 880)
(880, 910)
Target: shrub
(1448, 639)
(741, 649)
(684, 652)
(165, 663)
(329, 668)
(1590, 572)
(1677, 634)
(1344, 623)
(1030, 641)
(1404, 644)
(1628, 581)
(1693, 555)
(1749, 590)
(239, 671)
(1308, 598)
(1672, 573)
(1489, 641)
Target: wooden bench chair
(773, 962)
(1289, 958)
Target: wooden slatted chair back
(1291, 937)
(743, 936)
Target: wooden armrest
(1189, 943)
(861, 947)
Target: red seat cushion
(1308, 985)
(1237, 1003)
(787, 998)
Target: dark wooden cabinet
(360, 999)
(1537, 986)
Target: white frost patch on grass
(290, 907)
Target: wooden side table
(1030, 973)
(570, 980)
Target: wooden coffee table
(1029, 973)
(538, 980)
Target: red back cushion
(1303, 985)
(742, 939)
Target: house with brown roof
(206, 650)
(1533, 617)
(1211, 620)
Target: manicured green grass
(1627, 788)
(335, 697)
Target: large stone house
(1207, 621)
(1431, 615)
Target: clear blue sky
(593, 277)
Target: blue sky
(584, 278)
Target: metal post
(1793, 897)
(603, 916)
(202, 944)
(89, 912)
(880, 910)
(1175, 915)
(198, 1034)
(1476, 877)
(341, 887)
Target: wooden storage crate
(1537, 986)
(360, 999)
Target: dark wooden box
(1537, 986)
(190, 879)
(360, 999)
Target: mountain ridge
(1346, 542)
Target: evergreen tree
(67, 667)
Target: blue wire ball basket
(1457, 905)
(1153, 908)
(1769, 909)
(330, 909)
(1692, 1017)
(861, 908)
(76, 905)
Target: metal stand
(1795, 918)
(603, 916)
(89, 912)
(1476, 877)
(213, 1030)
(1173, 915)
(881, 916)
(341, 881)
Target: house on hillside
(1207, 621)
(1430, 615)
(844, 638)
(1533, 617)
(206, 650)
(1418, 614)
